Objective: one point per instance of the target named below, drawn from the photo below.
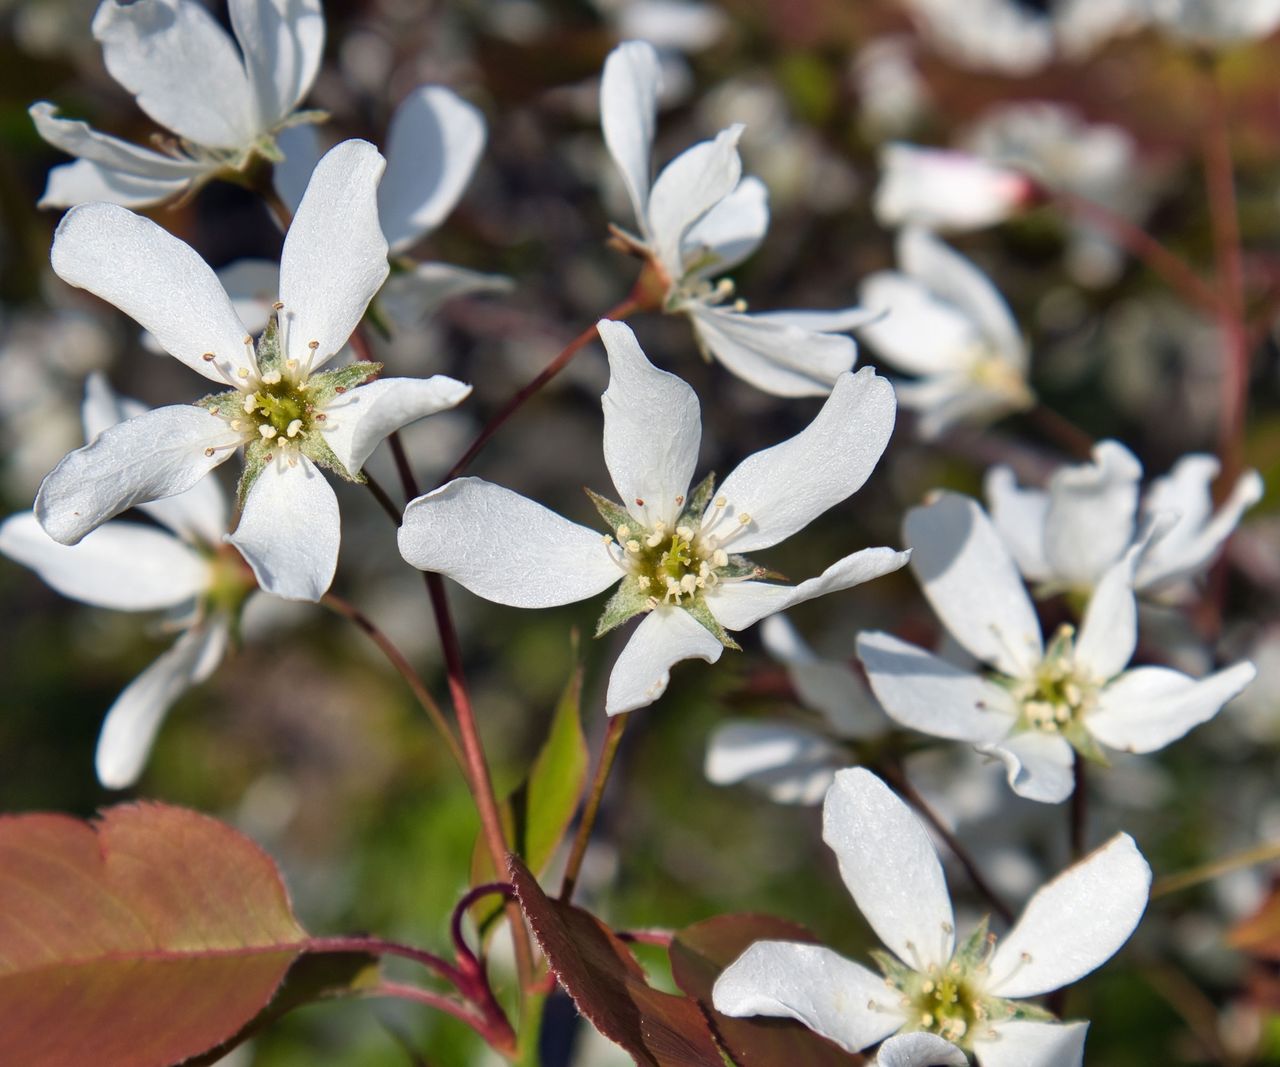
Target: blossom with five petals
(971, 995)
(224, 100)
(1037, 704)
(673, 551)
(289, 416)
(700, 218)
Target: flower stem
(1062, 431)
(1079, 808)
(376, 946)
(633, 303)
(397, 659)
(608, 752)
(1251, 857)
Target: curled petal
(1023, 1043)
(1037, 765)
(790, 764)
(1090, 521)
(282, 41)
(665, 637)
(628, 110)
(366, 415)
(920, 1050)
(689, 187)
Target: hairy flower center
(280, 411)
(945, 1002)
(1060, 694)
(672, 565)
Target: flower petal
(363, 417)
(919, 1050)
(629, 90)
(919, 690)
(812, 984)
(738, 605)
(121, 565)
(1148, 707)
(1020, 515)
(156, 279)
(972, 583)
(891, 868)
(918, 333)
(79, 139)
(1038, 766)
(182, 67)
(133, 720)
(159, 454)
(652, 429)
(504, 547)
(777, 356)
(945, 190)
(689, 187)
(1022, 1043)
(731, 230)
(290, 529)
(282, 42)
(783, 488)
(84, 182)
(1074, 924)
(335, 257)
(410, 297)
(1109, 631)
(790, 764)
(433, 144)
(1091, 514)
(664, 637)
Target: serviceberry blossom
(699, 219)
(675, 550)
(945, 190)
(434, 141)
(1216, 23)
(288, 415)
(130, 566)
(1030, 704)
(972, 995)
(1065, 537)
(224, 100)
(942, 320)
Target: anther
(208, 452)
(313, 345)
(340, 389)
(680, 501)
(272, 377)
(721, 502)
(278, 306)
(321, 417)
(294, 428)
(743, 519)
(720, 558)
(250, 402)
(639, 502)
(242, 373)
(624, 532)
(208, 357)
(633, 546)
(267, 431)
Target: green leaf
(614, 515)
(138, 940)
(628, 601)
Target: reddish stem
(609, 750)
(376, 946)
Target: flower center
(672, 565)
(1060, 694)
(278, 410)
(943, 1001)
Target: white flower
(791, 762)
(669, 545)
(433, 144)
(288, 417)
(1217, 22)
(944, 321)
(701, 218)
(224, 100)
(946, 190)
(1068, 535)
(135, 567)
(1036, 704)
(971, 995)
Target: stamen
(294, 428)
(268, 431)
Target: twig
(608, 752)
(1079, 809)
(1207, 872)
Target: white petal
(361, 418)
(410, 297)
(433, 143)
(282, 41)
(973, 585)
(731, 230)
(290, 529)
(131, 723)
(652, 429)
(160, 281)
(183, 68)
(741, 604)
(79, 139)
(301, 147)
(252, 285)
(1020, 515)
(1109, 631)
(891, 868)
(944, 190)
(1021, 1043)
(919, 1050)
(1038, 766)
(919, 690)
(504, 547)
(831, 995)
(688, 187)
(958, 282)
(784, 488)
(121, 565)
(917, 333)
(84, 182)
(159, 454)
(672, 25)
(1074, 924)
(335, 257)
(835, 320)
(629, 90)
(666, 636)
(790, 764)
(1148, 707)
(1091, 514)
(956, 398)
(777, 357)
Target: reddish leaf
(141, 939)
(700, 952)
(608, 985)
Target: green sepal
(229, 404)
(323, 387)
(975, 948)
(614, 515)
(1020, 1010)
(1083, 742)
(892, 968)
(697, 502)
(699, 610)
(268, 350)
(255, 459)
(317, 449)
(300, 118)
(628, 601)
(741, 567)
